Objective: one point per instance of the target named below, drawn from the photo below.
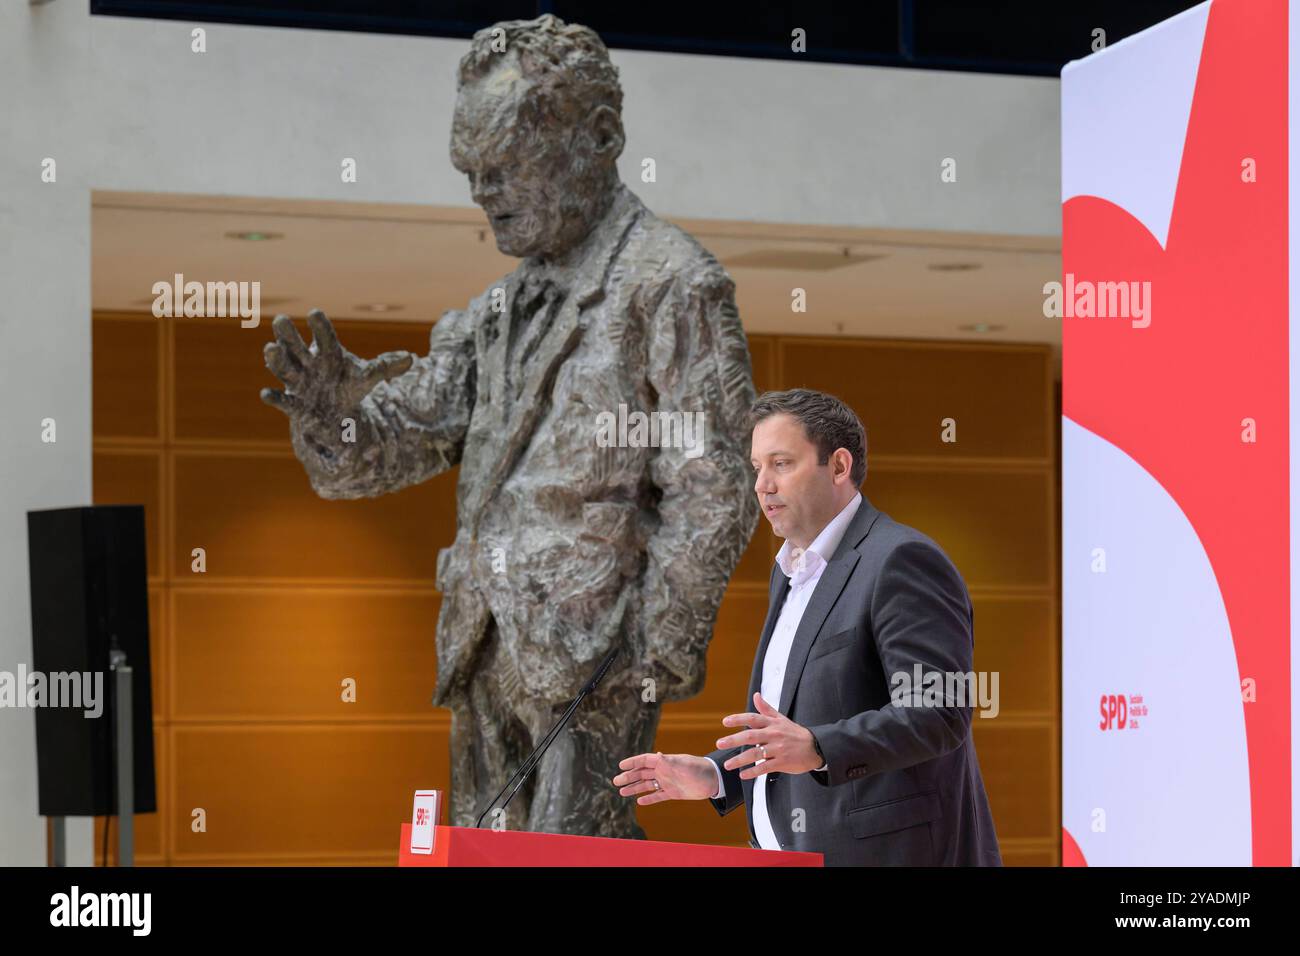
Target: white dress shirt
(804, 569)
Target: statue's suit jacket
(902, 785)
(568, 543)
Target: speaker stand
(124, 755)
(58, 841)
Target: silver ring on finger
(763, 750)
(656, 783)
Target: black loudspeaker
(89, 595)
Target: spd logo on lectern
(1119, 712)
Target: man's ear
(605, 128)
(848, 462)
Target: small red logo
(1120, 712)
(421, 816)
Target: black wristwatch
(817, 746)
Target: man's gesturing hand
(679, 777)
(788, 746)
(325, 381)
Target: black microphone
(536, 756)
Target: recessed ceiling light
(982, 327)
(255, 236)
(953, 266)
(378, 307)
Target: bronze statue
(592, 508)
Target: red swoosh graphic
(1173, 395)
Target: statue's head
(537, 129)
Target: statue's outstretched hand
(326, 381)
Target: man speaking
(827, 760)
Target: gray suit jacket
(902, 785)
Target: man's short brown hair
(828, 423)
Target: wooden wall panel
(257, 516)
(902, 391)
(755, 565)
(1029, 857)
(993, 525)
(308, 792)
(1015, 636)
(158, 651)
(261, 654)
(1018, 763)
(124, 383)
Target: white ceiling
(338, 256)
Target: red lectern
(465, 846)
